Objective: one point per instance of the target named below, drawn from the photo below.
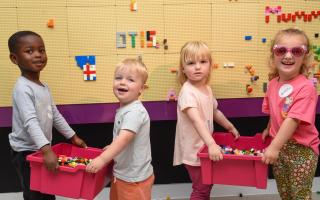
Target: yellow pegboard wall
(231, 23)
(8, 3)
(35, 19)
(90, 3)
(8, 71)
(41, 3)
(89, 27)
(92, 30)
(185, 22)
(149, 17)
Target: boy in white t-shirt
(130, 149)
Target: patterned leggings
(294, 171)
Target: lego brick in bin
(240, 170)
(68, 181)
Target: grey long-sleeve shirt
(34, 115)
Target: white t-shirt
(133, 164)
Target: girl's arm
(219, 117)
(214, 150)
(117, 145)
(265, 132)
(287, 129)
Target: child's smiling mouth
(122, 90)
(284, 62)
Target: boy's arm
(49, 157)
(118, 144)
(287, 129)
(63, 127)
(78, 141)
(23, 100)
(201, 128)
(219, 117)
(61, 124)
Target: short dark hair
(14, 39)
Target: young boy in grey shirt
(130, 148)
(34, 112)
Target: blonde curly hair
(305, 68)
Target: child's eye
(190, 63)
(42, 50)
(131, 80)
(29, 51)
(204, 61)
(118, 78)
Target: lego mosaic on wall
(85, 39)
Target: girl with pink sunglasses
(291, 101)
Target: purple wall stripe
(158, 110)
(5, 116)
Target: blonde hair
(307, 57)
(191, 51)
(133, 64)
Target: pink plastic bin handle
(242, 157)
(72, 169)
(94, 149)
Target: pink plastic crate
(68, 181)
(241, 170)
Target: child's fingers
(264, 160)
(106, 147)
(83, 144)
(90, 168)
(219, 157)
(216, 157)
(268, 160)
(52, 167)
(264, 136)
(236, 135)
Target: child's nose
(37, 53)
(122, 81)
(288, 54)
(198, 65)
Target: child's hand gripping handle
(214, 152)
(49, 157)
(78, 141)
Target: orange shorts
(122, 190)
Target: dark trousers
(22, 167)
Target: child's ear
(144, 86)
(13, 58)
